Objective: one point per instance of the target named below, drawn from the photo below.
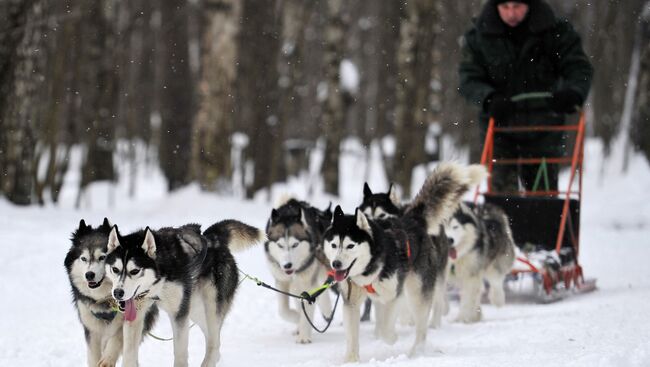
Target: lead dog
(188, 274)
(91, 295)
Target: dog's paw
(303, 340)
(469, 318)
(107, 362)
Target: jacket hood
(540, 18)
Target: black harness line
(309, 296)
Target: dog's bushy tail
(237, 236)
(443, 190)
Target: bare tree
(21, 81)
(257, 90)
(213, 127)
(332, 122)
(415, 64)
(640, 132)
(176, 95)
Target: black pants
(512, 178)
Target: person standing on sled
(520, 47)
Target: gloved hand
(566, 101)
(499, 107)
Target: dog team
(400, 256)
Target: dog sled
(545, 223)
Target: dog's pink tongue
(339, 275)
(452, 253)
(129, 310)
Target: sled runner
(545, 223)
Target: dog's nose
(288, 265)
(118, 293)
(451, 241)
(336, 264)
(90, 275)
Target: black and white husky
(387, 205)
(384, 259)
(188, 274)
(296, 260)
(482, 249)
(91, 295)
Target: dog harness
(369, 288)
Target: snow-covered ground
(610, 327)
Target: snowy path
(610, 327)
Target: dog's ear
(327, 214)
(362, 221)
(113, 240)
(106, 225)
(366, 190)
(83, 227)
(338, 214)
(392, 195)
(149, 244)
(275, 215)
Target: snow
(609, 327)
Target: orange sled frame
(555, 283)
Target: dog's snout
(90, 275)
(288, 265)
(336, 264)
(118, 293)
(451, 240)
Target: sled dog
(482, 249)
(296, 260)
(387, 205)
(385, 259)
(188, 274)
(91, 295)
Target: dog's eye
(295, 245)
(84, 259)
(454, 227)
(101, 258)
(333, 245)
(280, 246)
(134, 271)
(350, 246)
(115, 270)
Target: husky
(482, 248)
(385, 259)
(189, 274)
(388, 205)
(91, 295)
(296, 260)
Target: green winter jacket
(550, 58)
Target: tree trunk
(257, 90)
(177, 94)
(333, 107)
(21, 71)
(99, 93)
(213, 127)
(640, 132)
(415, 65)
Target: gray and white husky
(388, 205)
(188, 274)
(295, 258)
(482, 249)
(91, 295)
(385, 259)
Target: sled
(545, 223)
